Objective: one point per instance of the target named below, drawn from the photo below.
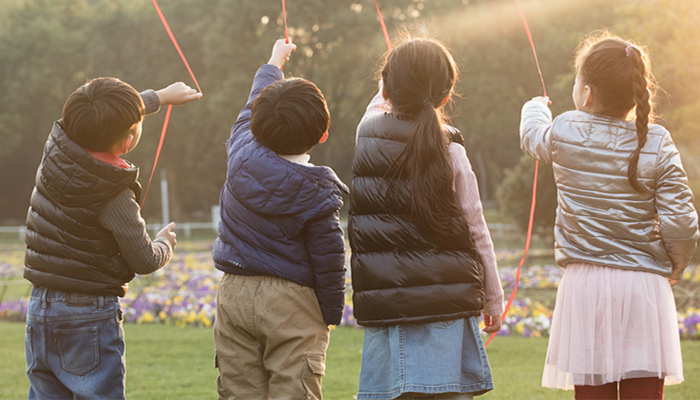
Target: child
(626, 228)
(280, 243)
(423, 264)
(86, 240)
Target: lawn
(166, 362)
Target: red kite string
(284, 15)
(534, 183)
(527, 247)
(532, 45)
(381, 22)
(286, 32)
(160, 146)
(172, 38)
(170, 106)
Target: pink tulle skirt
(611, 324)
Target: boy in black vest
(86, 240)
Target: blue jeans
(74, 346)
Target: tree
(515, 194)
(50, 47)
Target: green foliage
(515, 194)
(50, 47)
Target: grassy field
(176, 363)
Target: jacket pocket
(78, 349)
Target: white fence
(186, 229)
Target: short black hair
(290, 116)
(101, 113)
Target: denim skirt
(439, 357)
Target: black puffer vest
(399, 274)
(67, 248)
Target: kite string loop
(177, 46)
(170, 106)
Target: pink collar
(109, 158)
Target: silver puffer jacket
(601, 219)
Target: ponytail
(418, 76)
(425, 164)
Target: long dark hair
(619, 72)
(418, 76)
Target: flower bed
(184, 293)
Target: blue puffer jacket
(280, 218)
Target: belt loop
(100, 303)
(44, 295)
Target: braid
(643, 109)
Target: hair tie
(627, 50)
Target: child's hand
(543, 99)
(168, 234)
(281, 52)
(493, 323)
(177, 94)
(673, 281)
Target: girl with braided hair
(626, 228)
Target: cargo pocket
(314, 370)
(78, 349)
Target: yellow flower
(191, 317)
(146, 317)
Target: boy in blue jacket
(280, 243)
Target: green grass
(177, 363)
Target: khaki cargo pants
(270, 339)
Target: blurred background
(48, 48)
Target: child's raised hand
(178, 94)
(168, 234)
(543, 99)
(281, 52)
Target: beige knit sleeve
(122, 216)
